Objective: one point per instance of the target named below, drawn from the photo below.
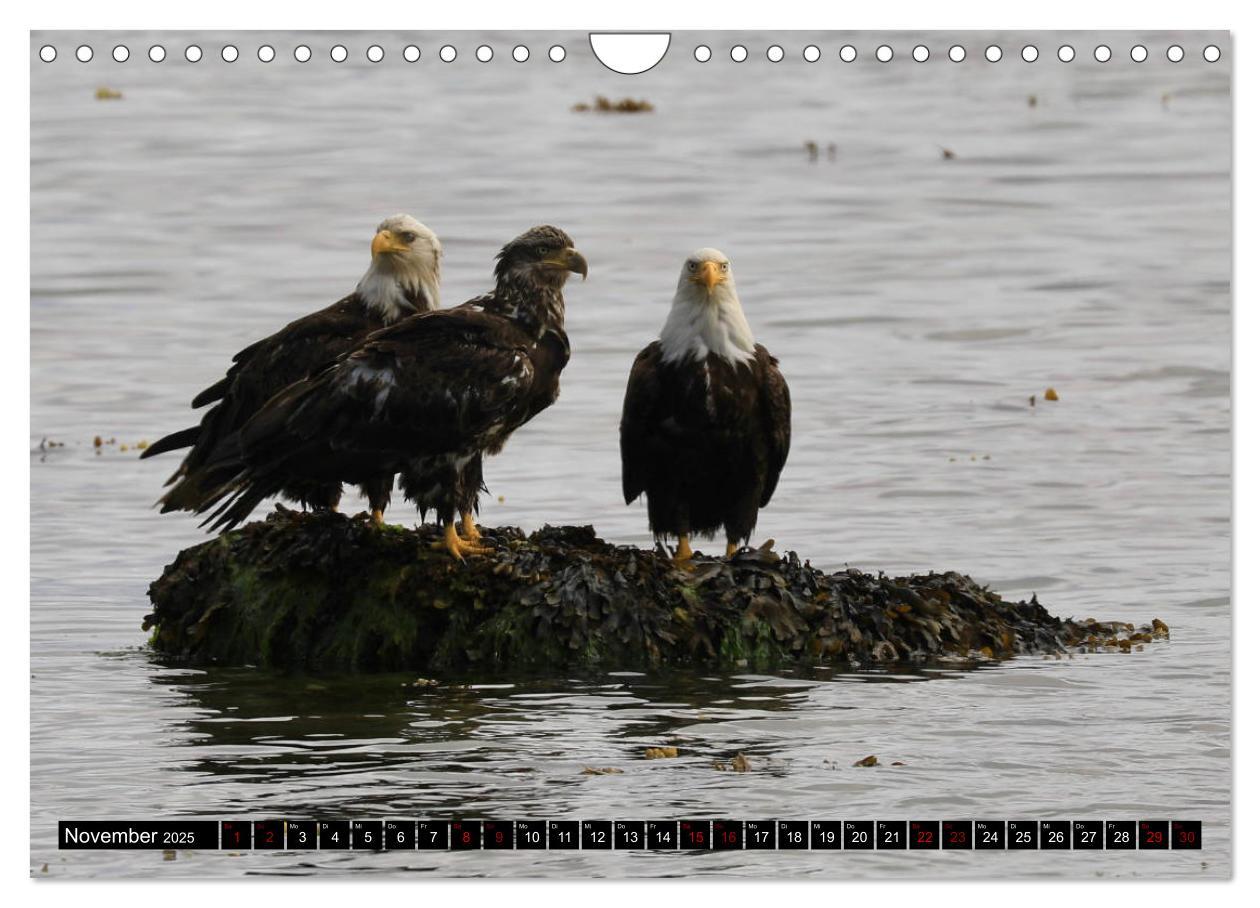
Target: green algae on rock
(331, 592)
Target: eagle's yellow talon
(683, 554)
(731, 548)
(378, 517)
(458, 548)
(453, 550)
(469, 526)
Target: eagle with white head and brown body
(706, 425)
(401, 280)
(425, 398)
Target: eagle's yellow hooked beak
(708, 274)
(570, 260)
(385, 241)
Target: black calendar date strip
(633, 835)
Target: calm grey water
(1081, 242)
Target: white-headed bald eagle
(401, 280)
(706, 424)
(425, 398)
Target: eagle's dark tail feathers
(242, 497)
(212, 393)
(236, 488)
(185, 438)
(200, 488)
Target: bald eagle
(706, 424)
(401, 280)
(425, 398)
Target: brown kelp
(326, 591)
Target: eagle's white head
(706, 316)
(406, 269)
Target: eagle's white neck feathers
(393, 281)
(385, 290)
(704, 321)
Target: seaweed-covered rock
(326, 591)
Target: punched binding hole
(1067, 53)
(48, 53)
(266, 53)
(1176, 54)
(1211, 53)
(485, 53)
(411, 53)
(1102, 53)
(1137, 53)
(83, 53)
(157, 53)
(520, 53)
(958, 53)
(739, 53)
(229, 53)
(339, 54)
(811, 53)
(192, 53)
(702, 54)
(302, 53)
(557, 53)
(121, 54)
(920, 53)
(993, 53)
(375, 53)
(883, 53)
(1030, 53)
(627, 53)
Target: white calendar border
(639, 15)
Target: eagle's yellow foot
(469, 526)
(458, 548)
(731, 548)
(378, 517)
(682, 554)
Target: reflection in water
(398, 734)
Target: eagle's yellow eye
(726, 266)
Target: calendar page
(749, 454)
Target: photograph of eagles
(706, 423)
(401, 280)
(425, 398)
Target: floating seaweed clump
(327, 591)
(606, 105)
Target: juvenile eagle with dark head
(425, 398)
(707, 419)
(401, 280)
